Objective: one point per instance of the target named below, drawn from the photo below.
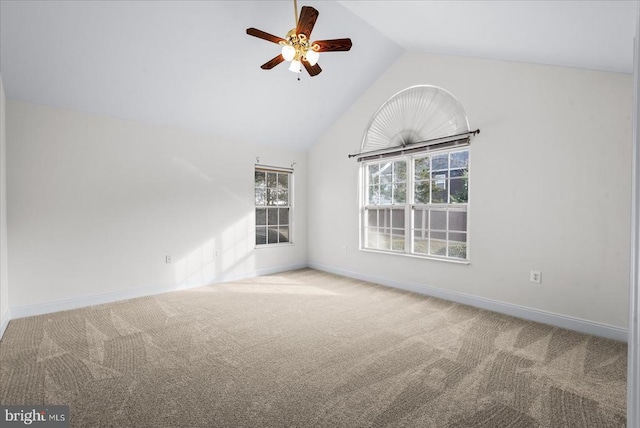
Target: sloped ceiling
(189, 64)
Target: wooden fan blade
(265, 36)
(333, 45)
(313, 70)
(308, 16)
(272, 62)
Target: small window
(417, 204)
(273, 206)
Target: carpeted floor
(309, 349)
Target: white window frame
(410, 207)
(277, 207)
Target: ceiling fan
(297, 47)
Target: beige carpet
(309, 349)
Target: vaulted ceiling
(189, 64)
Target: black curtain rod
(425, 142)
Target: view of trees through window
(418, 204)
(273, 207)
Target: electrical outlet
(167, 259)
(344, 249)
(535, 276)
(216, 253)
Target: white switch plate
(535, 276)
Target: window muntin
(273, 207)
(418, 204)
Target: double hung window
(273, 206)
(417, 204)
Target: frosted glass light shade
(312, 56)
(295, 66)
(288, 52)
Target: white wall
(4, 284)
(550, 187)
(95, 204)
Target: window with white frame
(417, 204)
(273, 206)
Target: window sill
(416, 256)
(261, 246)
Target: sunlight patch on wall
(219, 258)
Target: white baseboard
(558, 320)
(98, 299)
(4, 322)
(563, 321)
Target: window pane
(397, 240)
(261, 235)
(386, 173)
(399, 193)
(384, 243)
(372, 238)
(374, 177)
(261, 216)
(272, 179)
(400, 171)
(261, 196)
(284, 234)
(439, 220)
(438, 247)
(457, 237)
(283, 180)
(397, 220)
(385, 218)
(438, 194)
(460, 159)
(438, 235)
(372, 218)
(457, 173)
(422, 192)
(272, 196)
(458, 250)
(421, 245)
(457, 220)
(284, 216)
(259, 179)
(374, 195)
(418, 216)
(283, 197)
(273, 216)
(272, 236)
(440, 162)
(458, 189)
(421, 168)
(385, 194)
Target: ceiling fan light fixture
(312, 57)
(288, 52)
(295, 66)
(297, 46)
